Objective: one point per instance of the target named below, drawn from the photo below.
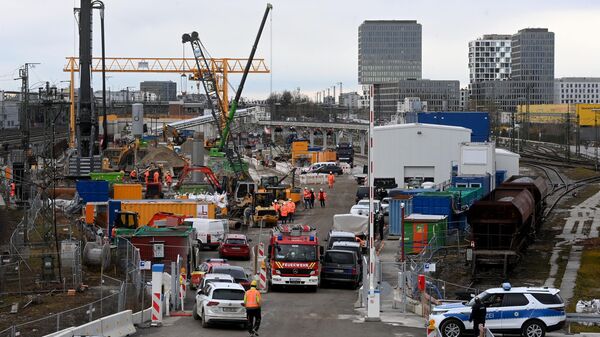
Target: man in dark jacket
(478, 313)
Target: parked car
(341, 266)
(238, 273)
(209, 232)
(328, 168)
(220, 302)
(338, 236)
(235, 246)
(316, 166)
(203, 269)
(362, 207)
(530, 312)
(385, 205)
(362, 192)
(212, 278)
(351, 246)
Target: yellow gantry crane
(220, 66)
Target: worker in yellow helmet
(252, 302)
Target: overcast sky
(314, 41)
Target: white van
(317, 165)
(209, 232)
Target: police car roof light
(280, 237)
(506, 286)
(312, 238)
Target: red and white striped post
(373, 295)
(262, 276)
(157, 303)
(182, 287)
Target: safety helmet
(321, 189)
(253, 283)
(275, 200)
(330, 172)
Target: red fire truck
(293, 257)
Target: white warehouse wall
(417, 147)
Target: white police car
(528, 311)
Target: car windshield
(481, 296)
(339, 257)
(217, 280)
(295, 253)
(235, 241)
(237, 274)
(228, 294)
(347, 248)
(342, 239)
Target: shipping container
(393, 192)
(92, 190)
(421, 230)
(127, 191)
(473, 181)
(477, 122)
(400, 207)
(467, 195)
(147, 208)
(111, 177)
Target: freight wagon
(505, 220)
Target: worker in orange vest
(252, 302)
(322, 197)
(306, 196)
(169, 180)
(133, 175)
(330, 179)
(284, 212)
(13, 188)
(156, 176)
(146, 176)
(277, 207)
(291, 210)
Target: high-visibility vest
(330, 178)
(156, 176)
(146, 175)
(252, 299)
(292, 206)
(306, 194)
(276, 206)
(12, 189)
(322, 195)
(284, 210)
(133, 174)
(169, 179)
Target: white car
(216, 277)
(362, 207)
(385, 205)
(528, 311)
(220, 302)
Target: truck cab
(293, 257)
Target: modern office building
(439, 95)
(489, 58)
(164, 90)
(577, 90)
(532, 74)
(389, 51)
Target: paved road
(329, 312)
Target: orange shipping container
(147, 209)
(89, 213)
(127, 191)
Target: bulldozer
(264, 211)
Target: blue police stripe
(512, 314)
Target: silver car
(220, 303)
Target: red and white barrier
(157, 303)
(262, 276)
(182, 288)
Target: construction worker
(306, 196)
(169, 180)
(13, 188)
(291, 210)
(133, 175)
(277, 207)
(312, 198)
(330, 179)
(322, 196)
(252, 302)
(284, 212)
(146, 176)
(156, 176)
(122, 175)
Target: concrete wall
(408, 147)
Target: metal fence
(114, 294)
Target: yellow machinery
(264, 212)
(220, 66)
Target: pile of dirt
(162, 155)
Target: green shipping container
(111, 177)
(421, 229)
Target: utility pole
(568, 134)
(596, 138)
(577, 135)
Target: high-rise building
(577, 90)
(164, 90)
(532, 74)
(439, 95)
(389, 51)
(489, 58)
